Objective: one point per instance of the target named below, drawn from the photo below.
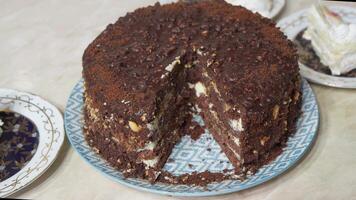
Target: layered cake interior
(148, 73)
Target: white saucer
(49, 123)
(277, 7)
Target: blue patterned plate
(200, 155)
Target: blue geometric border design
(185, 154)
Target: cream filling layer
(236, 125)
(151, 163)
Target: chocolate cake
(147, 73)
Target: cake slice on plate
(332, 39)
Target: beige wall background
(41, 48)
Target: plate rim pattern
(49, 122)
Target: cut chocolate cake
(147, 73)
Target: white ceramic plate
(297, 22)
(277, 6)
(49, 123)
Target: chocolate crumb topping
(150, 71)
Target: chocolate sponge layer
(147, 73)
